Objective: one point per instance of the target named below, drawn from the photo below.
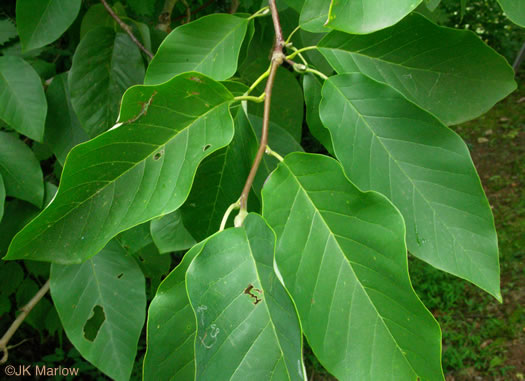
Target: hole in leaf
(158, 155)
(119, 276)
(94, 323)
(206, 147)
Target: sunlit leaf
(137, 171)
(342, 256)
(388, 144)
(515, 10)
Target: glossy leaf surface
(172, 327)
(209, 45)
(41, 22)
(451, 73)
(22, 97)
(314, 15)
(105, 64)
(390, 145)
(63, 129)
(342, 256)
(20, 170)
(137, 171)
(170, 234)
(247, 326)
(102, 307)
(515, 10)
(364, 16)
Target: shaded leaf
(105, 64)
(209, 45)
(95, 17)
(40, 22)
(433, 4)
(390, 145)
(102, 306)
(171, 327)
(137, 171)
(20, 170)
(312, 96)
(2, 197)
(63, 129)
(136, 238)
(449, 72)
(22, 97)
(153, 265)
(342, 256)
(7, 31)
(247, 326)
(363, 16)
(169, 233)
(219, 182)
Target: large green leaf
(105, 64)
(20, 170)
(169, 233)
(219, 182)
(247, 326)
(63, 129)
(171, 327)
(41, 22)
(515, 10)
(342, 256)
(137, 171)
(96, 16)
(102, 306)
(314, 15)
(209, 45)
(364, 16)
(388, 144)
(449, 72)
(22, 97)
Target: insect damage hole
(93, 324)
(206, 147)
(158, 155)
(119, 276)
(250, 292)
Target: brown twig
(188, 11)
(277, 59)
(19, 319)
(165, 16)
(126, 28)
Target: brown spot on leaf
(248, 291)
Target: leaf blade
(342, 256)
(388, 144)
(146, 165)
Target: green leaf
(63, 129)
(2, 196)
(515, 10)
(95, 17)
(153, 265)
(342, 256)
(139, 170)
(11, 275)
(247, 324)
(135, 238)
(449, 72)
(169, 233)
(363, 16)
(433, 4)
(388, 144)
(20, 170)
(17, 214)
(171, 327)
(314, 15)
(219, 182)
(22, 97)
(7, 31)
(102, 306)
(142, 7)
(105, 64)
(312, 96)
(41, 22)
(209, 45)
